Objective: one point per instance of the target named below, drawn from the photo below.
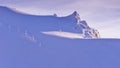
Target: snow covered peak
(75, 15)
(75, 12)
(70, 25)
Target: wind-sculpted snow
(56, 52)
(23, 43)
(71, 23)
(64, 34)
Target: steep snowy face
(86, 30)
(70, 25)
(77, 16)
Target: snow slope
(70, 23)
(23, 46)
(56, 52)
(64, 34)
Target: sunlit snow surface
(64, 34)
(28, 41)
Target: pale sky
(103, 15)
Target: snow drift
(23, 44)
(71, 23)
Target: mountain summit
(75, 13)
(77, 16)
(87, 31)
(70, 25)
